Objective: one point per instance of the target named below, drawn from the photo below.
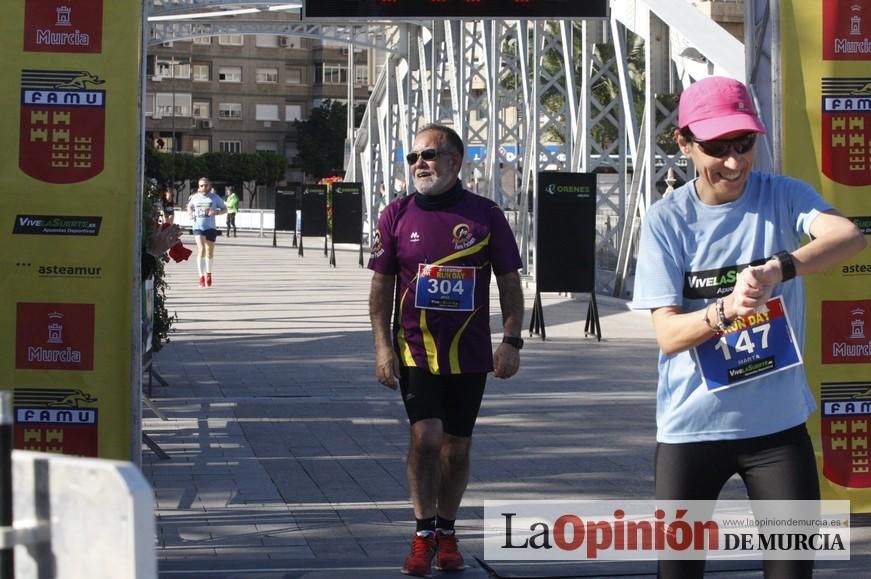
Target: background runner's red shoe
(419, 562)
(202, 281)
(209, 279)
(449, 557)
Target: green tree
(321, 139)
(174, 168)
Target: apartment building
(240, 94)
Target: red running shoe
(202, 281)
(449, 557)
(419, 562)
(209, 279)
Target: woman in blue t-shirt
(733, 399)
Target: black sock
(445, 524)
(426, 525)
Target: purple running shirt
(465, 241)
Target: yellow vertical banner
(826, 111)
(68, 193)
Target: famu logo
(463, 237)
(713, 283)
(56, 225)
(56, 420)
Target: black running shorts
(453, 398)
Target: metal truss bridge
(525, 96)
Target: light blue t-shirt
(201, 203)
(689, 255)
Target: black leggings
(779, 466)
(231, 222)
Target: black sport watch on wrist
(787, 264)
(517, 342)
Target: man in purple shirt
(432, 256)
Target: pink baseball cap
(715, 106)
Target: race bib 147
(754, 346)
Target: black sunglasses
(426, 155)
(721, 147)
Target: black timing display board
(347, 212)
(387, 9)
(314, 210)
(565, 225)
(285, 210)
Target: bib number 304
(754, 346)
(443, 287)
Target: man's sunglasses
(426, 155)
(721, 147)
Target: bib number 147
(756, 345)
(745, 343)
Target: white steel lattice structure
(525, 96)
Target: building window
(291, 152)
(332, 74)
(230, 73)
(202, 110)
(230, 146)
(229, 110)
(164, 143)
(203, 40)
(266, 41)
(171, 68)
(172, 105)
(293, 75)
(288, 42)
(200, 145)
(149, 104)
(202, 72)
(231, 39)
(292, 113)
(266, 147)
(266, 113)
(268, 75)
(361, 76)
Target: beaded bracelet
(723, 322)
(711, 326)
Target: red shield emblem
(63, 26)
(846, 130)
(62, 125)
(846, 416)
(846, 27)
(52, 336)
(57, 420)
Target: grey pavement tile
(336, 549)
(286, 452)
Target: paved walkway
(287, 458)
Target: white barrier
(249, 219)
(84, 518)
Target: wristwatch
(517, 342)
(787, 264)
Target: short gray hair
(448, 134)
